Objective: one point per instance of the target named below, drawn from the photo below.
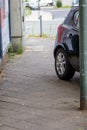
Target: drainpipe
(83, 54)
(9, 20)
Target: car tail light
(60, 32)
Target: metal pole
(83, 54)
(38, 10)
(0, 36)
(40, 26)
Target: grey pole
(40, 26)
(83, 54)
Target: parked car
(75, 3)
(66, 51)
(42, 3)
(49, 2)
(33, 4)
(27, 4)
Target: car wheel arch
(63, 67)
(64, 47)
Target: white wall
(66, 2)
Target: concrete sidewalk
(33, 98)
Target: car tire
(63, 67)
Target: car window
(76, 1)
(76, 18)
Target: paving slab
(33, 98)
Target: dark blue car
(66, 51)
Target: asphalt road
(56, 13)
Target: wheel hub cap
(61, 63)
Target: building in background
(66, 2)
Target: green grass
(12, 54)
(66, 6)
(38, 36)
(20, 50)
(62, 7)
(27, 11)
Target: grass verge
(66, 7)
(12, 54)
(38, 36)
(27, 11)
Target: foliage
(10, 49)
(26, 0)
(58, 3)
(11, 52)
(20, 50)
(27, 11)
(66, 6)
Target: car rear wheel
(62, 66)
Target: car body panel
(75, 3)
(33, 4)
(70, 38)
